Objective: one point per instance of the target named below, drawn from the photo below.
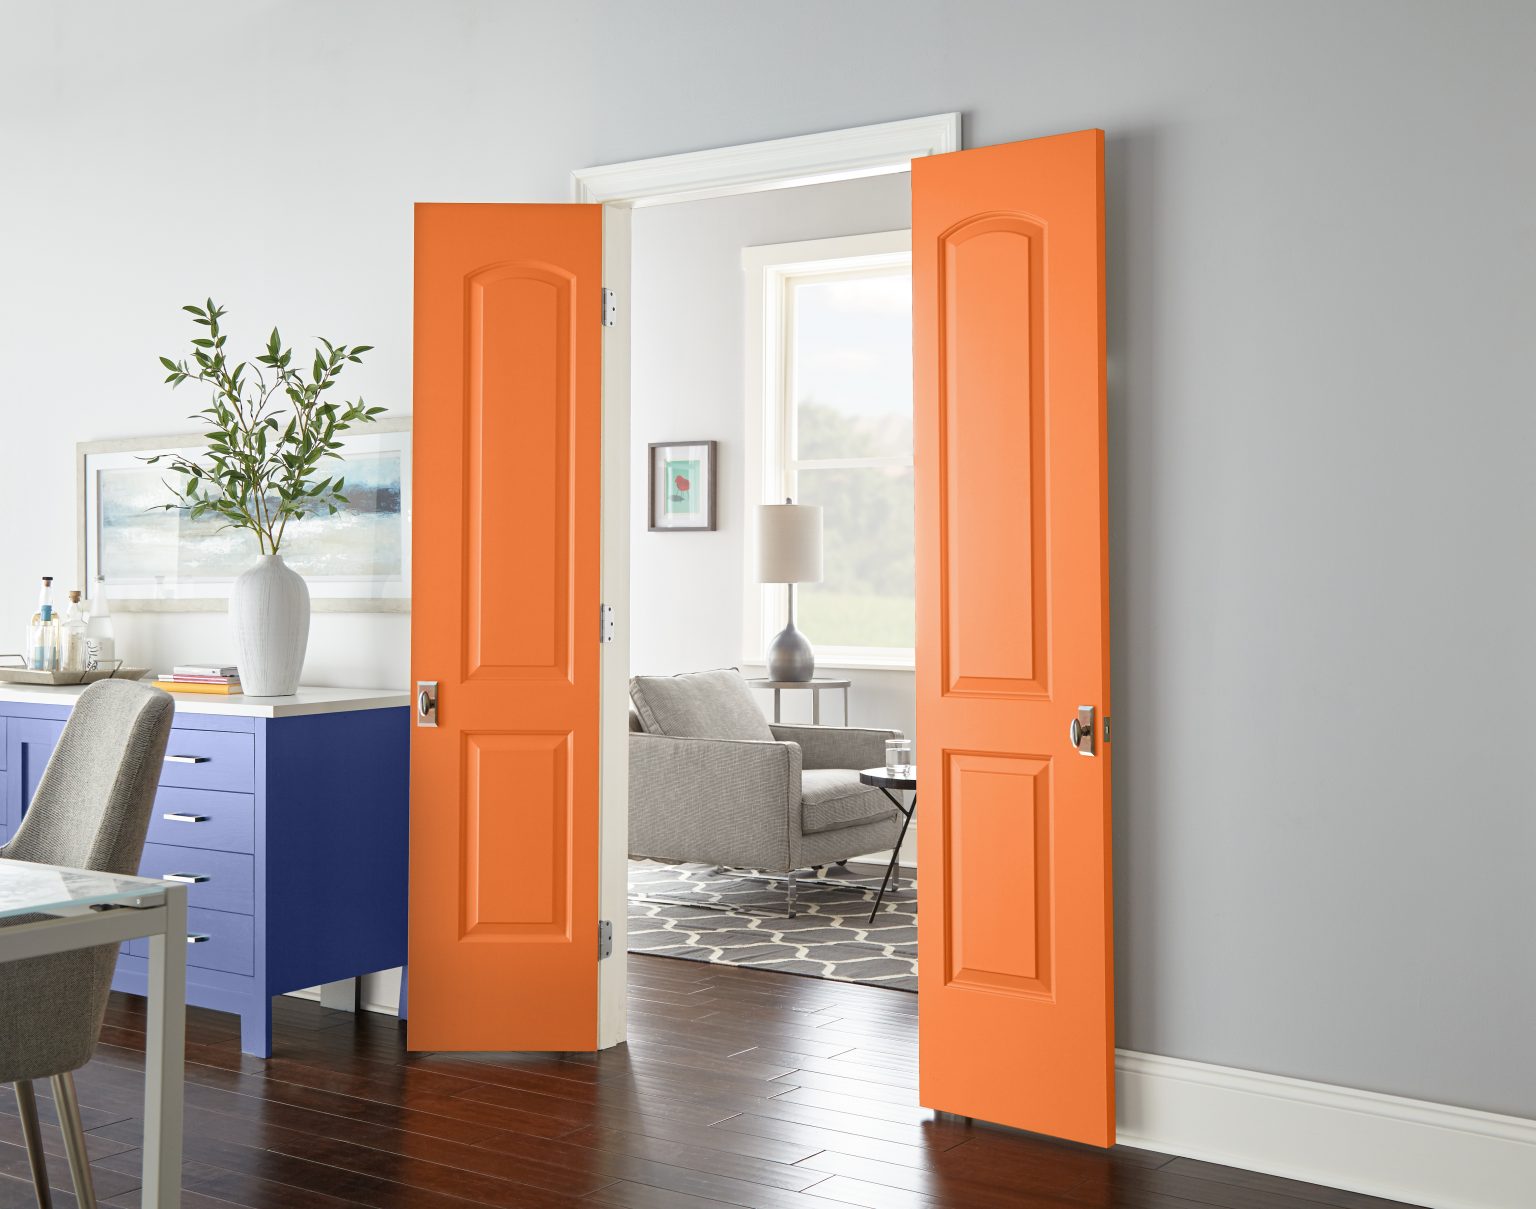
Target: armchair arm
(837, 746)
(725, 801)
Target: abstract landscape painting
(147, 553)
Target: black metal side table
(885, 782)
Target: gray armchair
(91, 811)
(711, 780)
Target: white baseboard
(1408, 1150)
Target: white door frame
(833, 155)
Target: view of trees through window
(850, 354)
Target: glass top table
(47, 909)
(28, 889)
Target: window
(830, 371)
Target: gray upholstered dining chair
(91, 811)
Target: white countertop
(305, 701)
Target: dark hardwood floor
(738, 1088)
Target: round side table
(885, 782)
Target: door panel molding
(995, 617)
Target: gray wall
(1322, 252)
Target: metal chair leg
(32, 1134)
(792, 876)
(68, 1104)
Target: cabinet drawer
(203, 818)
(226, 880)
(210, 759)
(216, 940)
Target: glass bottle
(43, 633)
(72, 653)
(99, 647)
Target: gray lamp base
(790, 657)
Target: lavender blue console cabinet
(287, 819)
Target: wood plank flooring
(738, 1088)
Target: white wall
(1321, 253)
(688, 341)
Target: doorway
(776, 327)
(879, 150)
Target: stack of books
(199, 678)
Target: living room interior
(769, 324)
(405, 405)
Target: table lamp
(789, 552)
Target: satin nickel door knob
(426, 703)
(1081, 730)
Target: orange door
(504, 792)
(1016, 1007)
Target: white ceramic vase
(270, 611)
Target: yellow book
(183, 686)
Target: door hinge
(1106, 729)
(610, 307)
(604, 939)
(605, 623)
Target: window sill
(852, 663)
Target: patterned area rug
(830, 937)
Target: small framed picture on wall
(682, 486)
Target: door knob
(1081, 730)
(426, 703)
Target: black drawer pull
(187, 759)
(175, 816)
(197, 938)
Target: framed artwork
(153, 560)
(681, 480)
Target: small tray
(25, 675)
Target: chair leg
(32, 1134)
(68, 1105)
(792, 876)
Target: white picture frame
(374, 576)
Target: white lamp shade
(788, 543)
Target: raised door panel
(517, 573)
(992, 484)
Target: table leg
(845, 705)
(815, 707)
(895, 852)
(165, 1045)
(776, 717)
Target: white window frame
(770, 270)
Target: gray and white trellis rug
(830, 937)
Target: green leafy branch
(270, 430)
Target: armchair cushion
(834, 798)
(699, 705)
